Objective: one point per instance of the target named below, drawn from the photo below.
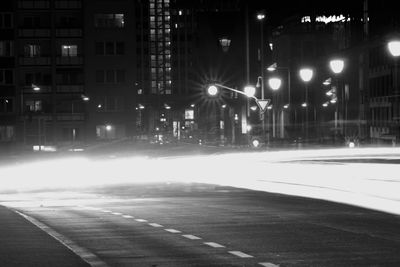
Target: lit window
(69, 50)
(32, 50)
(6, 133)
(34, 105)
(109, 20)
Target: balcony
(69, 32)
(69, 61)
(31, 4)
(70, 88)
(71, 117)
(34, 33)
(60, 4)
(34, 61)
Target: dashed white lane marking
(127, 216)
(155, 225)
(191, 237)
(140, 220)
(106, 211)
(268, 264)
(173, 231)
(82, 252)
(214, 245)
(240, 254)
(116, 213)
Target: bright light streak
(369, 185)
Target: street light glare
(336, 65)
(394, 48)
(212, 90)
(35, 87)
(250, 90)
(260, 16)
(275, 83)
(272, 67)
(306, 74)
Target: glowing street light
(275, 83)
(35, 87)
(336, 65)
(394, 47)
(306, 74)
(272, 67)
(85, 98)
(212, 90)
(108, 127)
(327, 81)
(260, 16)
(250, 90)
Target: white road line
(127, 216)
(155, 225)
(106, 211)
(82, 252)
(191, 237)
(173, 231)
(116, 213)
(240, 254)
(268, 264)
(214, 245)
(140, 220)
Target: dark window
(120, 48)
(99, 48)
(100, 76)
(120, 76)
(6, 20)
(6, 77)
(109, 48)
(110, 76)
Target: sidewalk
(25, 245)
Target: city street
(198, 216)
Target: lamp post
(274, 83)
(248, 91)
(35, 88)
(337, 66)
(273, 67)
(394, 49)
(306, 75)
(83, 98)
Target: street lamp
(35, 88)
(212, 90)
(337, 66)
(274, 83)
(394, 49)
(306, 74)
(273, 67)
(249, 90)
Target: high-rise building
(8, 97)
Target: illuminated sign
(325, 19)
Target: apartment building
(49, 71)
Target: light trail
(369, 185)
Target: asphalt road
(205, 225)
